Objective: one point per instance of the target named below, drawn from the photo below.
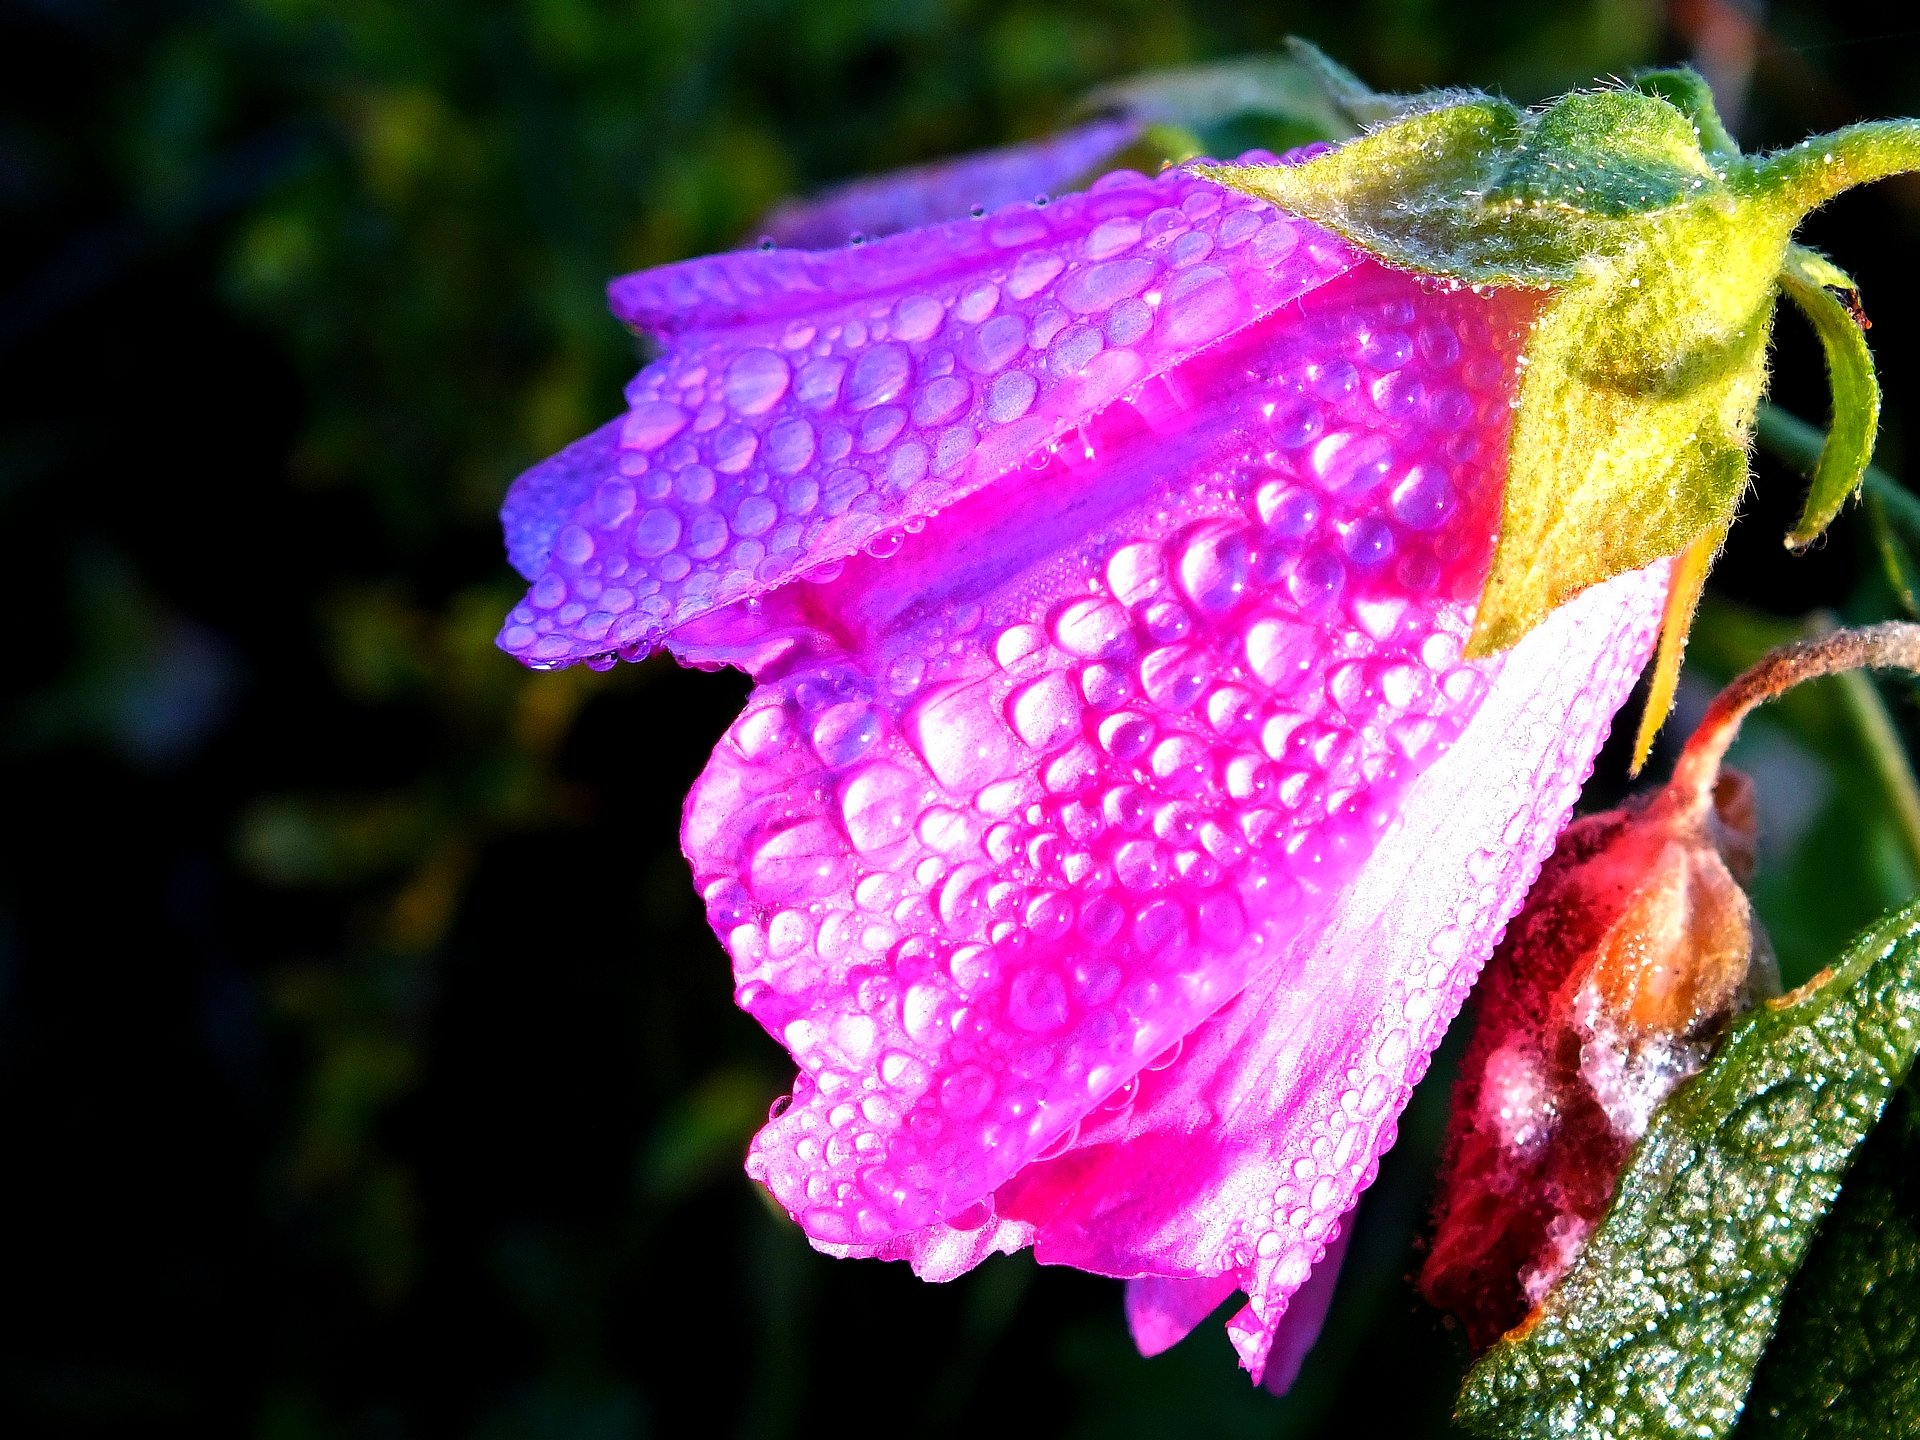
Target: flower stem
(1811, 173)
(1895, 644)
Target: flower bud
(1634, 951)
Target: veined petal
(811, 403)
(1239, 1159)
(1016, 810)
(948, 189)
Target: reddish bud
(1635, 949)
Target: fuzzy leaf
(1656, 1330)
(1845, 1364)
(1814, 283)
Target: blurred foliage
(366, 1065)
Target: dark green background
(366, 1066)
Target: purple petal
(809, 404)
(1162, 1311)
(948, 189)
(1015, 810)
(547, 494)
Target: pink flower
(1115, 826)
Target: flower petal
(1240, 1158)
(809, 404)
(1014, 811)
(546, 495)
(1299, 1328)
(948, 189)
(1161, 1312)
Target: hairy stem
(1895, 644)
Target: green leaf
(1813, 283)
(1656, 1330)
(1845, 1364)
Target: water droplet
(1126, 736)
(1045, 713)
(797, 861)
(1136, 573)
(652, 424)
(1289, 511)
(1094, 288)
(973, 1216)
(754, 515)
(657, 532)
(917, 317)
(1423, 498)
(755, 381)
(818, 385)
(966, 1092)
(939, 400)
(1037, 1001)
(1091, 627)
(1215, 567)
(845, 732)
(1369, 542)
(878, 376)
(1280, 653)
(878, 806)
(1350, 460)
(1174, 677)
(1317, 580)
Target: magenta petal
(809, 404)
(1241, 1156)
(1299, 1328)
(1161, 1311)
(1016, 810)
(948, 189)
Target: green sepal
(1655, 1331)
(1478, 190)
(1814, 284)
(1647, 359)
(1688, 92)
(1845, 1363)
